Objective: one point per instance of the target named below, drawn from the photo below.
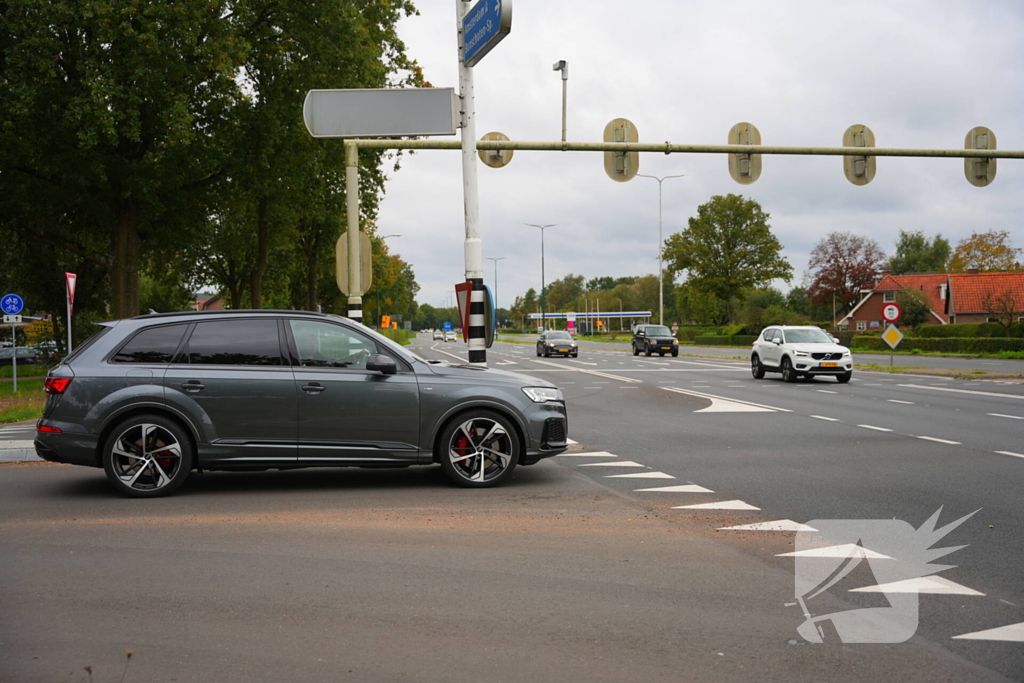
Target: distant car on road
(151, 398)
(26, 355)
(556, 342)
(438, 334)
(450, 336)
(796, 352)
(654, 339)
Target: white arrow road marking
(845, 550)
(640, 475)
(721, 404)
(934, 585)
(685, 488)
(1013, 633)
(777, 525)
(595, 454)
(721, 505)
(619, 463)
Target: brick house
(952, 297)
(209, 302)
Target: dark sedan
(557, 343)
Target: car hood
(818, 348)
(478, 374)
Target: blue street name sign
(447, 327)
(12, 304)
(483, 27)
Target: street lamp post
(543, 298)
(661, 286)
(500, 258)
(376, 287)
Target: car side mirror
(776, 342)
(378, 362)
(835, 340)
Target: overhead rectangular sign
(483, 27)
(381, 113)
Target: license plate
(830, 365)
(666, 348)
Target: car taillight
(52, 430)
(56, 385)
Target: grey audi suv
(152, 398)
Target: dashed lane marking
(1013, 633)
(1012, 417)
(826, 391)
(829, 419)
(932, 438)
(593, 372)
(963, 391)
(877, 429)
(906, 403)
(595, 454)
(1011, 453)
(618, 463)
(721, 505)
(685, 488)
(932, 585)
(777, 525)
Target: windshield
(808, 336)
(658, 331)
(559, 335)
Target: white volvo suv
(797, 352)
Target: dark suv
(654, 339)
(151, 398)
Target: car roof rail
(242, 311)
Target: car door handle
(193, 386)
(313, 388)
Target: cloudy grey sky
(919, 73)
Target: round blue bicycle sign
(12, 304)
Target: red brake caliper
(462, 447)
(164, 462)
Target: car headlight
(801, 354)
(573, 345)
(846, 353)
(551, 343)
(543, 394)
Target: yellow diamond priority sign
(892, 336)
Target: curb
(18, 451)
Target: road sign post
(12, 305)
(892, 336)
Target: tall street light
(500, 258)
(377, 287)
(543, 319)
(661, 286)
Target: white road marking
(877, 429)
(845, 550)
(593, 372)
(932, 438)
(629, 387)
(1013, 633)
(873, 385)
(963, 391)
(826, 391)
(822, 417)
(932, 585)
(777, 525)
(595, 454)
(906, 403)
(685, 488)
(620, 463)
(506, 362)
(721, 505)
(641, 475)
(571, 360)
(571, 442)
(701, 394)
(1012, 417)
(1016, 455)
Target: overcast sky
(918, 73)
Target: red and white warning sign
(891, 312)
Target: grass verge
(27, 404)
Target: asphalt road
(569, 573)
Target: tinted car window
(323, 345)
(154, 345)
(767, 336)
(235, 342)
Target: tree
(565, 294)
(914, 308)
(727, 247)
(989, 252)
(1003, 307)
(916, 253)
(841, 265)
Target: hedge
(944, 344)
(722, 340)
(402, 336)
(970, 330)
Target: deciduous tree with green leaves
(916, 253)
(727, 246)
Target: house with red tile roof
(970, 297)
(975, 297)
